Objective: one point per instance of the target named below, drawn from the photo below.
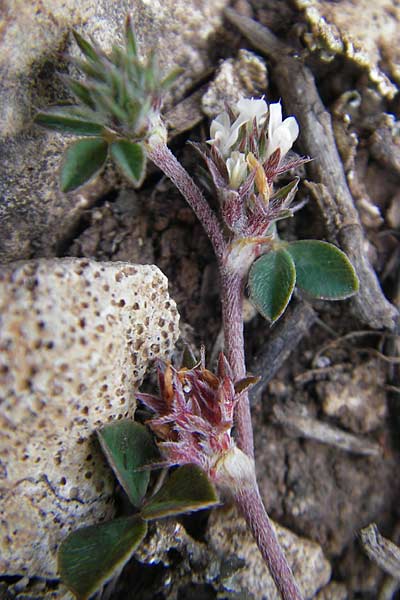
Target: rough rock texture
(76, 338)
(35, 215)
(245, 76)
(363, 31)
(356, 399)
(228, 534)
(229, 559)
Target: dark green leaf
(90, 556)
(130, 158)
(82, 160)
(322, 270)
(67, 120)
(271, 282)
(130, 36)
(88, 50)
(186, 490)
(128, 447)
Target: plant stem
(163, 158)
(232, 318)
(232, 284)
(251, 505)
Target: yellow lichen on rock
(76, 337)
(362, 30)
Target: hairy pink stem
(163, 158)
(232, 318)
(251, 505)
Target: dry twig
(327, 434)
(380, 550)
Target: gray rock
(34, 215)
(76, 338)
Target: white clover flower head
(237, 169)
(281, 134)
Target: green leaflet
(128, 447)
(322, 270)
(187, 489)
(82, 160)
(67, 119)
(130, 158)
(271, 282)
(90, 556)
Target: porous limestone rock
(76, 337)
(363, 31)
(34, 214)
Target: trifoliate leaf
(82, 161)
(322, 270)
(130, 158)
(271, 283)
(128, 447)
(90, 556)
(67, 119)
(187, 489)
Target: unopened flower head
(194, 414)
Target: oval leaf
(130, 159)
(90, 556)
(187, 489)
(322, 270)
(82, 161)
(129, 446)
(64, 120)
(271, 282)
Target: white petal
(250, 108)
(293, 127)
(275, 118)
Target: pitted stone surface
(76, 337)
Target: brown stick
(297, 86)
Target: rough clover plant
(117, 112)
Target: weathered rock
(245, 76)
(356, 399)
(76, 338)
(229, 537)
(34, 214)
(361, 30)
(333, 591)
(229, 560)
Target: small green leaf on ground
(271, 283)
(322, 270)
(129, 446)
(187, 489)
(82, 161)
(66, 120)
(90, 556)
(130, 158)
